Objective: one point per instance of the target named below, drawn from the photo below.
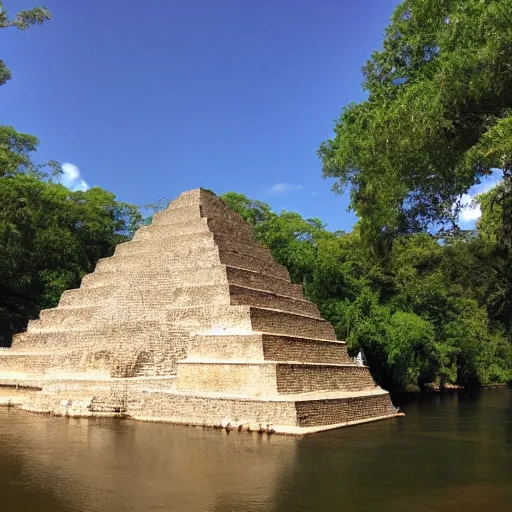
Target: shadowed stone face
(193, 322)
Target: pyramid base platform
(157, 400)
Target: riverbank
(448, 388)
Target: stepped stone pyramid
(192, 322)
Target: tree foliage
(438, 117)
(49, 238)
(22, 21)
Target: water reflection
(451, 452)
(107, 465)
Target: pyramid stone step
(209, 259)
(98, 279)
(246, 347)
(39, 335)
(191, 273)
(86, 296)
(294, 416)
(349, 410)
(259, 379)
(251, 279)
(224, 227)
(236, 347)
(49, 340)
(219, 377)
(184, 200)
(243, 246)
(164, 246)
(170, 235)
(159, 277)
(295, 378)
(193, 257)
(32, 324)
(160, 233)
(100, 338)
(278, 322)
(290, 348)
(212, 319)
(170, 297)
(196, 318)
(252, 297)
(167, 254)
(66, 316)
(193, 226)
(28, 364)
(169, 217)
(246, 262)
(148, 247)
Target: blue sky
(148, 99)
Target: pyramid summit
(192, 322)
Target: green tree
(438, 117)
(49, 238)
(494, 249)
(15, 155)
(22, 21)
(412, 353)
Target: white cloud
(71, 178)
(470, 211)
(82, 185)
(470, 214)
(281, 188)
(314, 193)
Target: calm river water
(452, 452)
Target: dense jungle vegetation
(428, 303)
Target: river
(451, 452)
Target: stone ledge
(246, 362)
(301, 431)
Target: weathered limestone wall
(287, 348)
(315, 413)
(203, 410)
(250, 379)
(120, 352)
(300, 378)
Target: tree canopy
(49, 238)
(22, 21)
(437, 119)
